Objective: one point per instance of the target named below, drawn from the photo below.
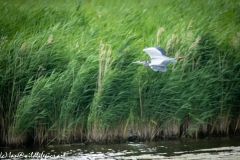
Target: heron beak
(181, 57)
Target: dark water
(96, 151)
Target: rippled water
(130, 150)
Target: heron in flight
(158, 61)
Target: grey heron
(158, 59)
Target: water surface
(131, 150)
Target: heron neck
(146, 63)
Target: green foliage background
(66, 71)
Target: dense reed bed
(66, 72)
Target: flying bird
(158, 61)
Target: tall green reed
(67, 76)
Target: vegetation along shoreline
(66, 71)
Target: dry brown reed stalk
(104, 60)
(39, 71)
(140, 93)
(221, 125)
(224, 124)
(39, 134)
(171, 42)
(195, 43)
(194, 128)
(101, 53)
(2, 123)
(99, 14)
(198, 60)
(185, 129)
(177, 54)
(107, 58)
(145, 130)
(204, 128)
(196, 133)
(189, 33)
(50, 39)
(214, 122)
(149, 130)
(236, 39)
(23, 46)
(190, 24)
(195, 63)
(117, 134)
(237, 126)
(221, 67)
(14, 139)
(172, 129)
(61, 135)
(77, 45)
(53, 136)
(98, 134)
(160, 31)
(125, 128)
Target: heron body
(158, 59)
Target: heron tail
(172, 60)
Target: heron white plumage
(158, 59)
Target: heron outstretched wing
(155, 52)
